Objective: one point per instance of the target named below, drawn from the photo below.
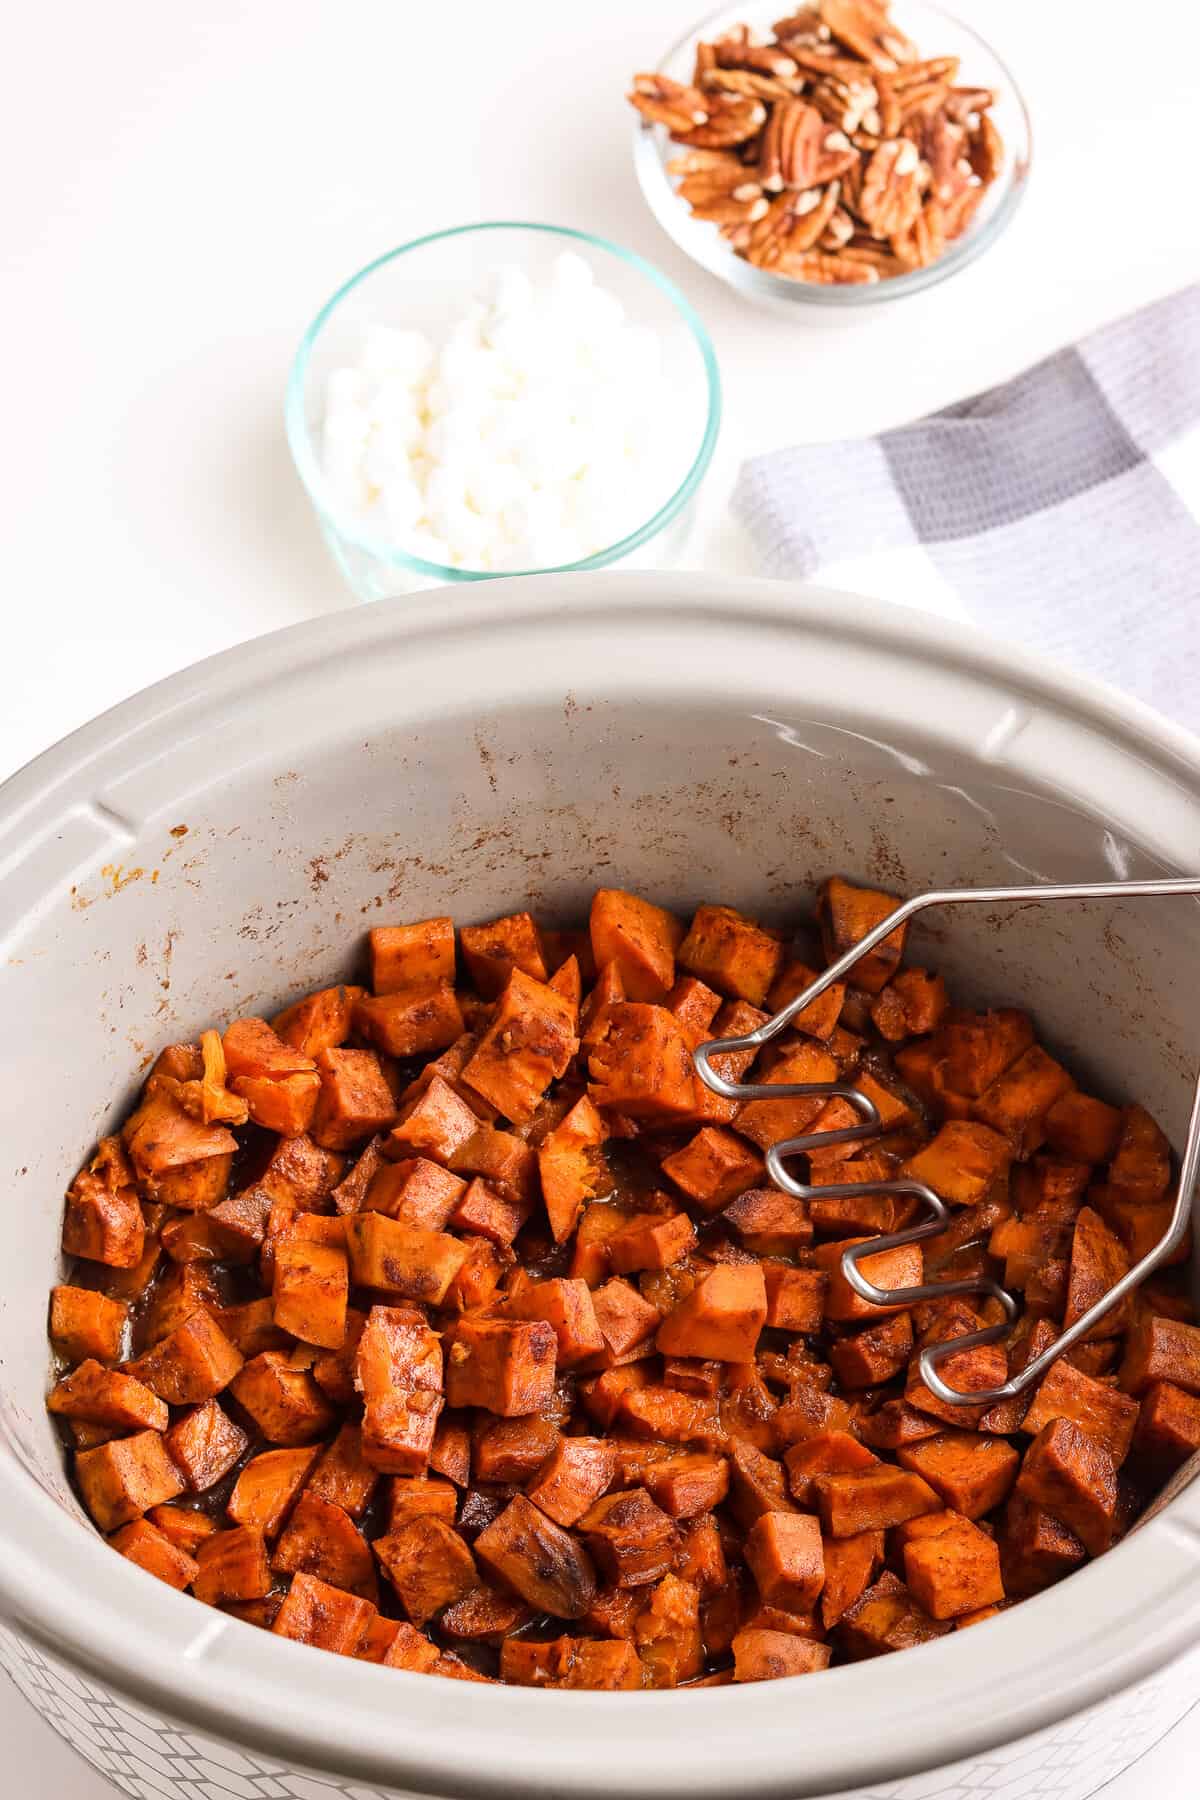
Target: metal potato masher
(938, 1215)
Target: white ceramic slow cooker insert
(690, 737)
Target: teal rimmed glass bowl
(430, 283)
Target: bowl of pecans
(847, 154)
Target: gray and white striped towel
(1061, 509)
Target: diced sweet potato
(123, 1479)
(512, 1450)
(1016, 1103)
(403, 956)
(913, 1003)
(1083, 1128)
(846, 914)
(626, 1320)
(686, 1486)
(323, 1616)
(485, 1615)
(731, 953)
(673, 1418)
(695, 1006)
(490, 1214)
(871, 1500)
(819, 1018)
(632, 1540)
(825, 1453)
(410, 1649)
(872, 1357)
(954, 1571)
(278, 1083)
(343, 1476)
(399, 1374)
(721, 1318)
(1161, 1349)
(886, 1617)
(251, 1327)
(571, 1166)
(310, 1291)
(320, 1539)
(771, 1223)
(286, 1404)
(714, 1167)
(567, 1306)
(1103, 1412)
(86, 1324)
(354, 1101)
(851, 1564)
(506, 1367)
(548, 1568)
(182, 1526)
(760, 1655)
(204, 1445)
(651, 1241)
(969, 1472)
(977, 1049)
(758, 1484)
(233, 1567)
(769, 1122)
(795, 1297)
(783, 1553)
(1075, 1478)
(428, 1564)
(642, 1067)
(414, 1021)
(895, 1269)
(103, 1396)
(1168, 1429)
(1098, 1261)
(636, 938)
(474, 1286)
(401, 1259)
(161, 1135)
(1036, 1548)
(808, 1412)
(410, 1496)
(103, 1220)
(192, 1363)
(528, 1044)
(415, 1191)
(963, 1162)
(451, 1452)
(491, 952)
(267, 1486)
(437, 1122)
(1141, 1166)
(142, 1544)
(321, 1021)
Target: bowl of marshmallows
(502, 399)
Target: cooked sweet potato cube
(885, 1269)
(451, 1453)
(506, 1162)
(871, 1500)
(428, 1564)
(399, 1374)
(769, 1122)
(1036, 1548)
(1098, 1261)
(955, 1571)
(609, 991)
(1049, 1187)
(973, 1370)
(267, 1486)
(771, 1655)
(795, 1297)
(182, 1526)
(103, 1220)
(642, 1067)
(279, 1084)
(673, 1418)
(512, 1450)
(320, 1539)
(323, 1616)
(771, 1223)
(567, 1306)
(1161, 1349)
(1075, 1478)
(873, 1356)
(350, 1194)
(195, 1187)
(886, 1617)
(625, 1319)
(475, 1285)
(758, 1484)
(401, 1259)
(86, 1324)
(405, 956)
(1082, 1128)
(1016, 1103)
(436, 1123)
(567, 980)
(142, 1544)
(695, 1006)
(714, 1167)
(310, 1290)
(343, 1476)
(571, 1166)
(819, 1018)
(1141, 1166)
(204, 1445)
(632, 1540)
(161, 1135)
(485, 1615)
(123, 1479)
(638, 939)
(1103, 1412)
(978, 1049)
(506, 1367)
(320, 1021)
(233, 1566)
(809, 1412)
(825, 1453)
(414, 1021)
(731, 953)
(103, 1396)
(415, 1191)
(490, 1214)
(721, 1318)
(410, 1649)
(846, 914)
(783, 1553)
(410, 1496)
(913, 1003)
(491, 952)
(251, 1327)
(1168, 1429)
(355, 1100)
(190, 1364)
(688, 1485)
(286, 1404)
(538, 1560)
(528, 1044)
(604, 1394)
(963, 1162)
(651, 1241)
(851, 1564)
(667, 1633)
(969, 1472)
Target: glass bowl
(935, 33)
(428, 285)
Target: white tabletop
(186, 184)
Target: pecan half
(846, 104)
(838, 231)
(865, 27)
(745, 81)
(662, 101)
(986, 153)
(957, 214)
(722, 189)
(891, 188)
(794, 223)
(760, 59)
(962, 104)
(942, 143)
(925, 239)
(800, 149)
(833, 271)
(731, 119)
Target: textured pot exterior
(692, 738)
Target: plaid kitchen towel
(1061, 509)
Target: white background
(185, 184)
